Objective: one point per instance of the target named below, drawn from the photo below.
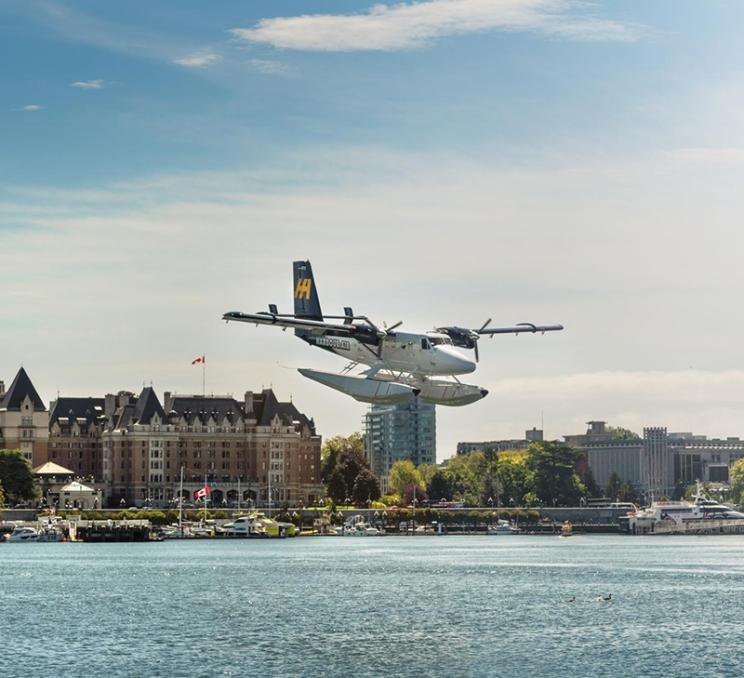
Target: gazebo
(77, 495)
(51, 478)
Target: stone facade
(24, 420)
(75, 435)
(257, 451)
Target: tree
(736, 479)
(554, 475)
(515, 479)
(466, 474)
(620, 433)
(592, 488)
(439, 487)
(337, 490)
(612, 489)
(404, 473)
(2, 497)
(350, 464)
(16, 477)
(334, 448)
(365, 488)
(416, 491)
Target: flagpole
(204, 376)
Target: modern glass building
(403, 431)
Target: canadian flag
(202, 493)
(200, 359)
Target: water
(391, 606)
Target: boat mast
(180, 504)
(206, 495)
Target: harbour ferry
(665, 515)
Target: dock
(110, 530)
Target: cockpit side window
(425, 343)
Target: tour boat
(503, 527)
(679, 512)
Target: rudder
(306, 302)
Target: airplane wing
(265, 318)
(467, 338)
(518, 328)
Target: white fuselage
(421, 354)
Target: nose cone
(484, 393)
(456, 362)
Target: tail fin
(306, 302)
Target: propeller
(393, 326)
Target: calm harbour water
(385, 606)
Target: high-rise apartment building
(403, 431)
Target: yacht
(356, 526)
(678, 512)
(23, 534)
(503, 527)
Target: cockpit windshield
(436, 341)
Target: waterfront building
(24, 420)
(403, 431)
(254, 451)
(75, 429)
(659, 461)
(75, 495)
(657, 465)
(530, 436)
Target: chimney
(249, 403)
(2, 389)
(109, 405)
(167, 401)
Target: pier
(110, 530)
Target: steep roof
(147, 406)
(52, 469)
(76, 486)
(287, 412)
(89, 409)
(19, 389)
(201, 407)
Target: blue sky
(522, 159)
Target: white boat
(503, 527)
(356, 526)
(23, 534)
(671, 513)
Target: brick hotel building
(256, 450)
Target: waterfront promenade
(461, 606)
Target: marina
(371, 607)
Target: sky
(439, 162)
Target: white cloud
(198, 59)
(88, 84)
(30, 108)
(614, 250)
(417, 24)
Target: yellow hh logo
(304, 285)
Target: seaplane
(395, 365)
